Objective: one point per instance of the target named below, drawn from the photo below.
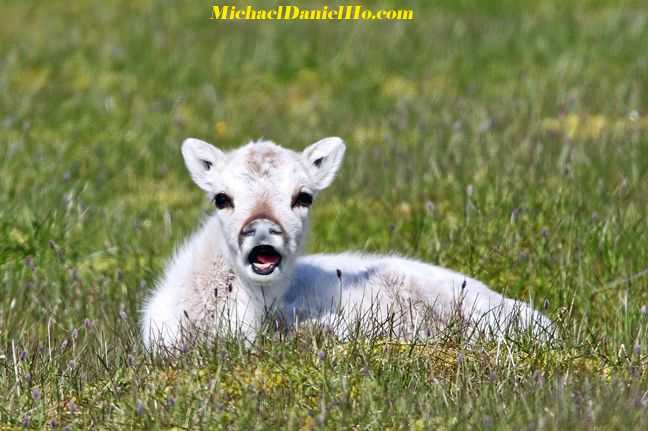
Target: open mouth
(264, 259)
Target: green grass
(506, 139)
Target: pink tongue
(272, 259)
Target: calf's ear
(322, 160)
(201, 159)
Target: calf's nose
(261, 229)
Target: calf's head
(262, 194)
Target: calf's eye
(302, 199)
(221, 200)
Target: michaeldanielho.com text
(293, 12)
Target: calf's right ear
(323, 159)
(201, 159)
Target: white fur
(210, 286)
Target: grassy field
(505, 139)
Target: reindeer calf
(244, 263)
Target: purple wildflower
(139, 407)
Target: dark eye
(221, 200)
(303, 199)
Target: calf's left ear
(323, 159)
(202, 160)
